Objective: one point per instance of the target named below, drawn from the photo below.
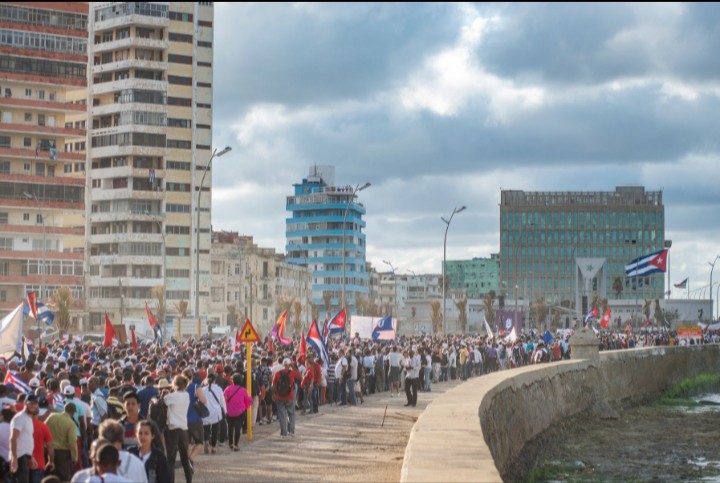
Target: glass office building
(546, 236)
(474, 278)
(314, 237)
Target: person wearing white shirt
(341, 368)
(178, 403)
(7, 415)
(217, 407)
(21, 440)
(412, 379)
(395, 361)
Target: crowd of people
(79, 412)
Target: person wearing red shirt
(42, 440)
(283, 384)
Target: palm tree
(327, 300)
(489, 310)
(556, 319)
(541, 312)
(360, 304)
(436, 316)
(371, 307)
(283, 304)
(658, 314)
(182, 308)
(297, 308)
(158, 292)
(646, 308)
(617, 287)
(603, 306)
(462, 317)
(63, 301)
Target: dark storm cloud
(278, 53)
(595, 43)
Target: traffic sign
(248, 333)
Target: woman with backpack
(237, 401)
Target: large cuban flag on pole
(647, 264)
(313, 338)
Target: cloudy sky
(442, 105)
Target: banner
(504, 320)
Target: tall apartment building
(566, 246)
(43, 65)
(149, 143)
(474, 278)
(314, 236)
(255, 282)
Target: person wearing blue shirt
(195, 425)
(146, 394)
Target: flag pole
(248, 385)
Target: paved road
(338, 444)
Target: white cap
(69, 391)
(287, 361)
(34, 382)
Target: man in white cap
(283, 385)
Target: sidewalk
(338, 444)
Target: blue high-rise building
(314, 236)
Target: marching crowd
(83, 413)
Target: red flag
(109, 332)
(151, 318)
(282, 320)
(605, 321)
(134, 341)
(303, 346)
(32, 303)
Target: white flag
(11, 332)
(487, 328)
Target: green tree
(436, 316)
(540, 309)
(658, 314)
(617, 287)
(62, 299)
(462, 317)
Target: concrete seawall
(476, 431)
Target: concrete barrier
(477, 431)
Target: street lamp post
(33, 196)
(395, 288)
(197, 233)
(444, 294)
(347, 208)
(712, 267)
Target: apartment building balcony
(119, 85)
(41, 105)
(126, 194)
(37, 279)
(128, 64)
(101, 238)
(31, 154)
(128, 215)
(131, 19)
(130, 42)
(127, 282)
(117, 259)
(125, 172)
(113, 151)
(17, 128)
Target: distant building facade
(474, 278)
(314, 235)
(564, 247)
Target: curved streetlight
(444, 288)
(393, 269)
(197, 234)
(347, 208)
(712, 267)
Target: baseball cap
(83, 381)
(287, 361)
(31, 398)
(34, 382)
(69, 391)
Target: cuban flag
(605, 321)
(313, 338)
(43, 313)
(682, 284)
(32, 305)
(15, 380)
(336, 324)
(648, 264)
(590, 315)
(384, 329)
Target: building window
(27, 142)
(28, 117)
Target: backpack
(283, 386)
(158, 413)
